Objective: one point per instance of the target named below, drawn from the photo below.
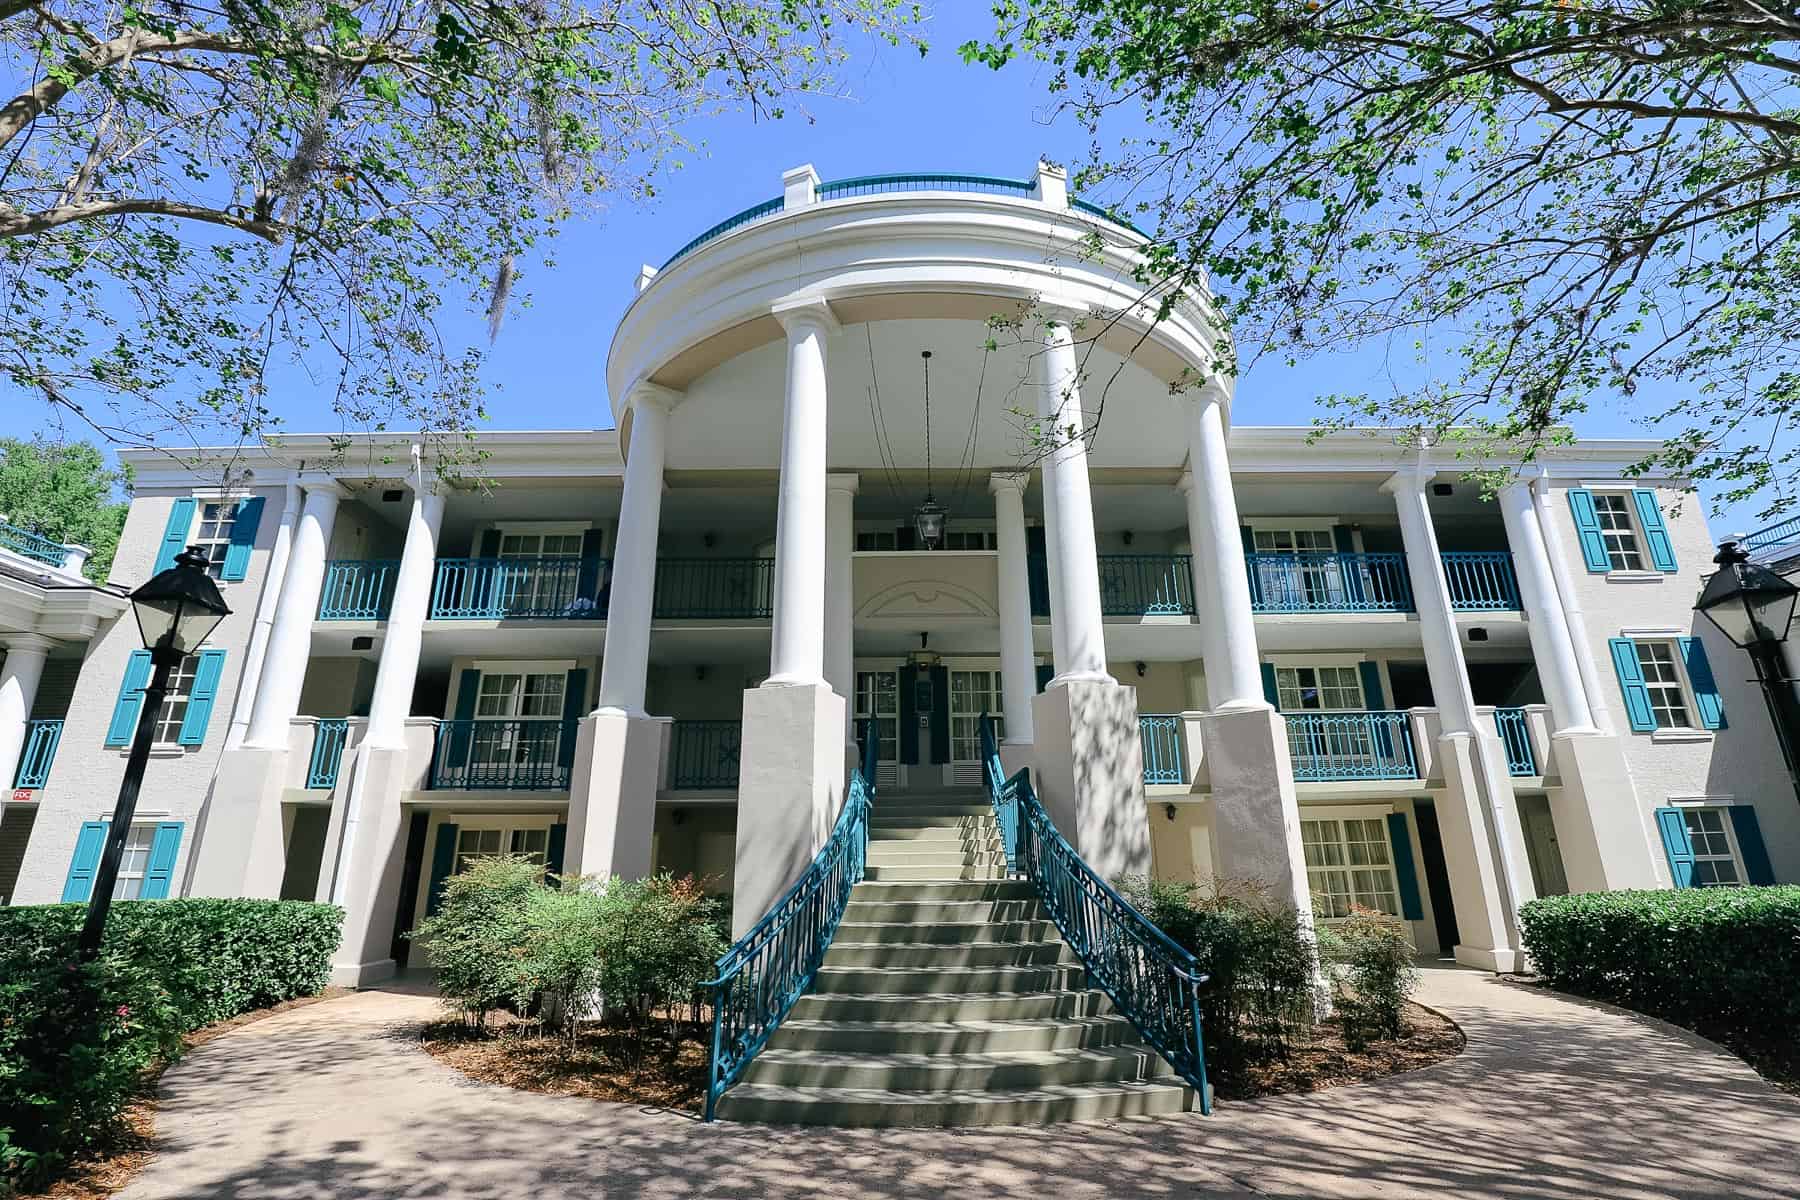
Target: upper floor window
(1662, 679)
(213, 523)
(1618, 532)
(1293, 541)
(540, 545)
(969, 539)
(1336, 689)
(174, 710)
(1667, 684)
(504, 694)
(1621, 529)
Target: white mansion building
(1227, 652)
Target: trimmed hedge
(1692, 956)
(75, 1040)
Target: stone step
(932, 833)
(930, 911)
(935, 1073)
(937, 954)
(870, 890)
(948, 857)
(885, 811)
(880, 873)
(878, 823)
(876, 1107)
(948, 980)
(960, 1036)
(888, 1008)
(945, 931)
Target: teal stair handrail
(1151, 980)
(769, 968)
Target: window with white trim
(1349, 861)
(1660, 663)
(475, 844)
(1329, 689)
(175, 703)
(1715, 857)
(1619, 531)
(1293, 541)
(213, 523)
(971, 694)
(878, 700)
(969, 539)
(134, 863)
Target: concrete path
(1551, 1099)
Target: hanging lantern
(929, 519)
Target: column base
(1500, 962)
(1090, 772)
(1256, 813)
(1599, 825)
(790, 789)
(364, 974)
(1478, 886)
(612, 794)
(368, 865)
(240, 848)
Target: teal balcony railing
(1160, 735)
(704, 754)
(1515, 735)
(1328, 581)
(1146, 585)
(714, 588)
(358, 589)
(41, 740)
(329, 736)
(499, 589)
(1481, 581)
(1351, 745)
(32, 545)
(503, 754)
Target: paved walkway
(1551, 1099)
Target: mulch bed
(1774, 1056)
(670, 1073)
(96, 1178)
(1324, 1061)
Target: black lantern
(929, 519)
(1747, 601)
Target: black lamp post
(176, 610)
(1753, 606)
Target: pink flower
(124, 1010)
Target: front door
(1541, 848)
(972, 693)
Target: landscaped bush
(1698, 956)
(660, 939)
(475, 941)
(1258, 1000)
(1370, 956)
(74, 1040)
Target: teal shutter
(553, 851)
(1271, 692)
(490, 543)
(587, 582)
(88, 845)
(468, 690)
(940, 714)
(1631, 683)
(1405, 874)
(1700, 678)
(208, 669)
(1371, 685)
(1248, 537)
(1750, 844)
(1045, 673)
(1587, 529)
(131, 699)
(1656, 534)
(160, 870)
(243, 539)
(175, 533)
(909, 716)
(443, 858)
(574, 708)
(1676, 845)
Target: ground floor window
(971, 694)
(134, 863)
(1715, 859)
(1349, 861)
(878, 700)
(474, 844)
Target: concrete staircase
(948, 998)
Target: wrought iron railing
(554, 588)
(1328, 581)
(1481, 580)
(41, 740)
(1161, 738)
(34, 546)
(704, 754)
(1152, 981)
(358, 589)
(329, 737)
(714, 588)
(1780, 536)
(753, 213)
(485, 753)
(1146, 585)
(1351, 745)
(1515, 735)
(757, 981)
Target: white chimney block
(1052, 187)
(799, 187)
(645, 274)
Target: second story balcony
(503, 754)
(41, 740)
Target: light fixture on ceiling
(930, 518)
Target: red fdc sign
(21, 795)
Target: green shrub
(660, 938)
(1696, 956)
(564, 932)
(1371, 958)
(74, 1040)
(476, 939)
(1260, 965)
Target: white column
(1592, 683)
(1069, 509)
(797, 634)
(266, 601)
(1221, 579)
(290, 639)
(24, 666)
(1546, 623)
(399, 666)
(840, 589)
(626, 661)
(1431, 596)
(1018, 671)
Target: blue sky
(903, 113)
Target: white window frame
(1642, 543)
(1733, 852)
(1294, 525)
(129, 884)
(181, 689)
(1688, 700)
(215, 563)
(1354, 666)
(1379, 815)
(506, 824)
(997, 711)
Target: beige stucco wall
(338, 687)
(703, 844)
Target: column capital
(29, 643)
(1412, 478)
(843, 481)
(801, 314)
(644, 394)
(1185, 484)
(1061, 311)
(1009, 481)
(1213, 391)
(321, 484)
